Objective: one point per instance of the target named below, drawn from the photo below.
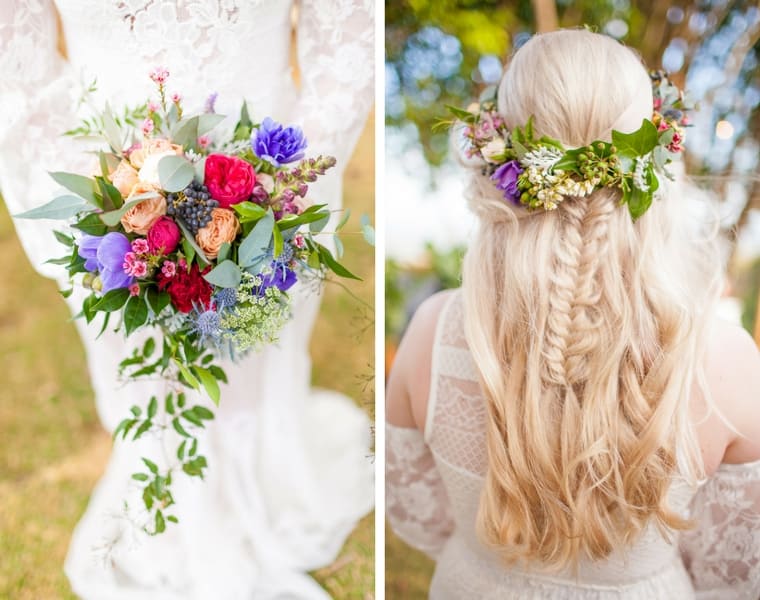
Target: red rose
(187, 289)
(229, 179)
(163, 236)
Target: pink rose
(229, 179)
(163, 236)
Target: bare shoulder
(733, 376)
(409, 379)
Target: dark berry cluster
(193, 205)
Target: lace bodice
(238, 49)
(434, 484)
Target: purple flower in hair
(105, 254)
(278, 145)
(506, 179)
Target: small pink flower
(140, 246)
(299, 241)
(147, 126)
(129, 261)
(662, 126)
(139, 269)
(169, 269)
(159, 75)
(134, 289)
(182, 263)
(176, 98)
(153, 106)
(657, 103)
(204, 141)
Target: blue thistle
(226, 298)
(208, 325)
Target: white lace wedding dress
(434, 484)
(289, 470)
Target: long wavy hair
(588, 330)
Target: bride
(553, 425)
(289, 476)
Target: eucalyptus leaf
(338, 246)
(82, 186)
(111, 130)
(343, 219)
(62, 207)
(185, 132)
(319, 225)
(175, 173)
(207, 122)
(190, 240)
(200, 169)
(257, 242)
(368, 232)
(225, 275)
(224, 252)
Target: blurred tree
(444, 51)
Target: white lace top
(434, 484)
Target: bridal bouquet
(195, 239)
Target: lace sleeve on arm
(335, 58)
(722, 553)
(36, 106)
(416, 503)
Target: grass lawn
(53, 450)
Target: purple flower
(281, 277)
(277, 144)
(105, 254)
(506, 179)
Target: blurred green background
(446, 51)
(53, 450)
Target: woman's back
(721, 555)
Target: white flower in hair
(493, 151)
(639, 174)
(543, 158)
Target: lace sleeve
(416, 503)
(722, 553)
(37, 100)
(335, 58)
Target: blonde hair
(587, 329)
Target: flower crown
(540, 173)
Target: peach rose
(158, 146)
(124, 177)
(142, 215)
(223, 227)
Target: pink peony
(229, 179)
(164, 236)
